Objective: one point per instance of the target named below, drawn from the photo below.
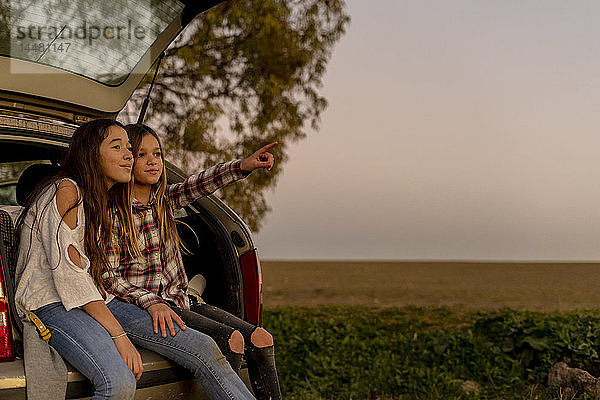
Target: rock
(471, 387)
(575, 379)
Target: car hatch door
(82, 58)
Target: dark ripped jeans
(220, 325)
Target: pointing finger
(267, 147)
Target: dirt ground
(474, 285)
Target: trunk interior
(212, 257)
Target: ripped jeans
(219, 325)
(83, 342)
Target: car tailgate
(162, 379)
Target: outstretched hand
(261, 158)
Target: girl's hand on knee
(130, 355)
(163, 316)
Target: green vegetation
(358, 352)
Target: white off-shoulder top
(44, 273)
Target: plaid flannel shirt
(158, 274)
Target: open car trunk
(64, 63)
(211, 254)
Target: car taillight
(7, 351)
(252, 287)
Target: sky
(456, 130)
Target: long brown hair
(82, 164)
(168, 229)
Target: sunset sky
(461, 129)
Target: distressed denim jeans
(84, 343)
(219, 325)
(189, 348)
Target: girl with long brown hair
(63, 240)
(64, 261)
(159, 286)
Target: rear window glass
(9, 176)
(102, 40)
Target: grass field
(424, 330)
(473, 285)
(360, 353)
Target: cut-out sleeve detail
(73, 283)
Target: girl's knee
(119, 386)
(204, 344)
(236, 342)
(261, 338)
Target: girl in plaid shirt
(64, 253)
(156, 280)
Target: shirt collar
(136, 204)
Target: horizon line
(430, 260)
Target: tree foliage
(243, 74)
